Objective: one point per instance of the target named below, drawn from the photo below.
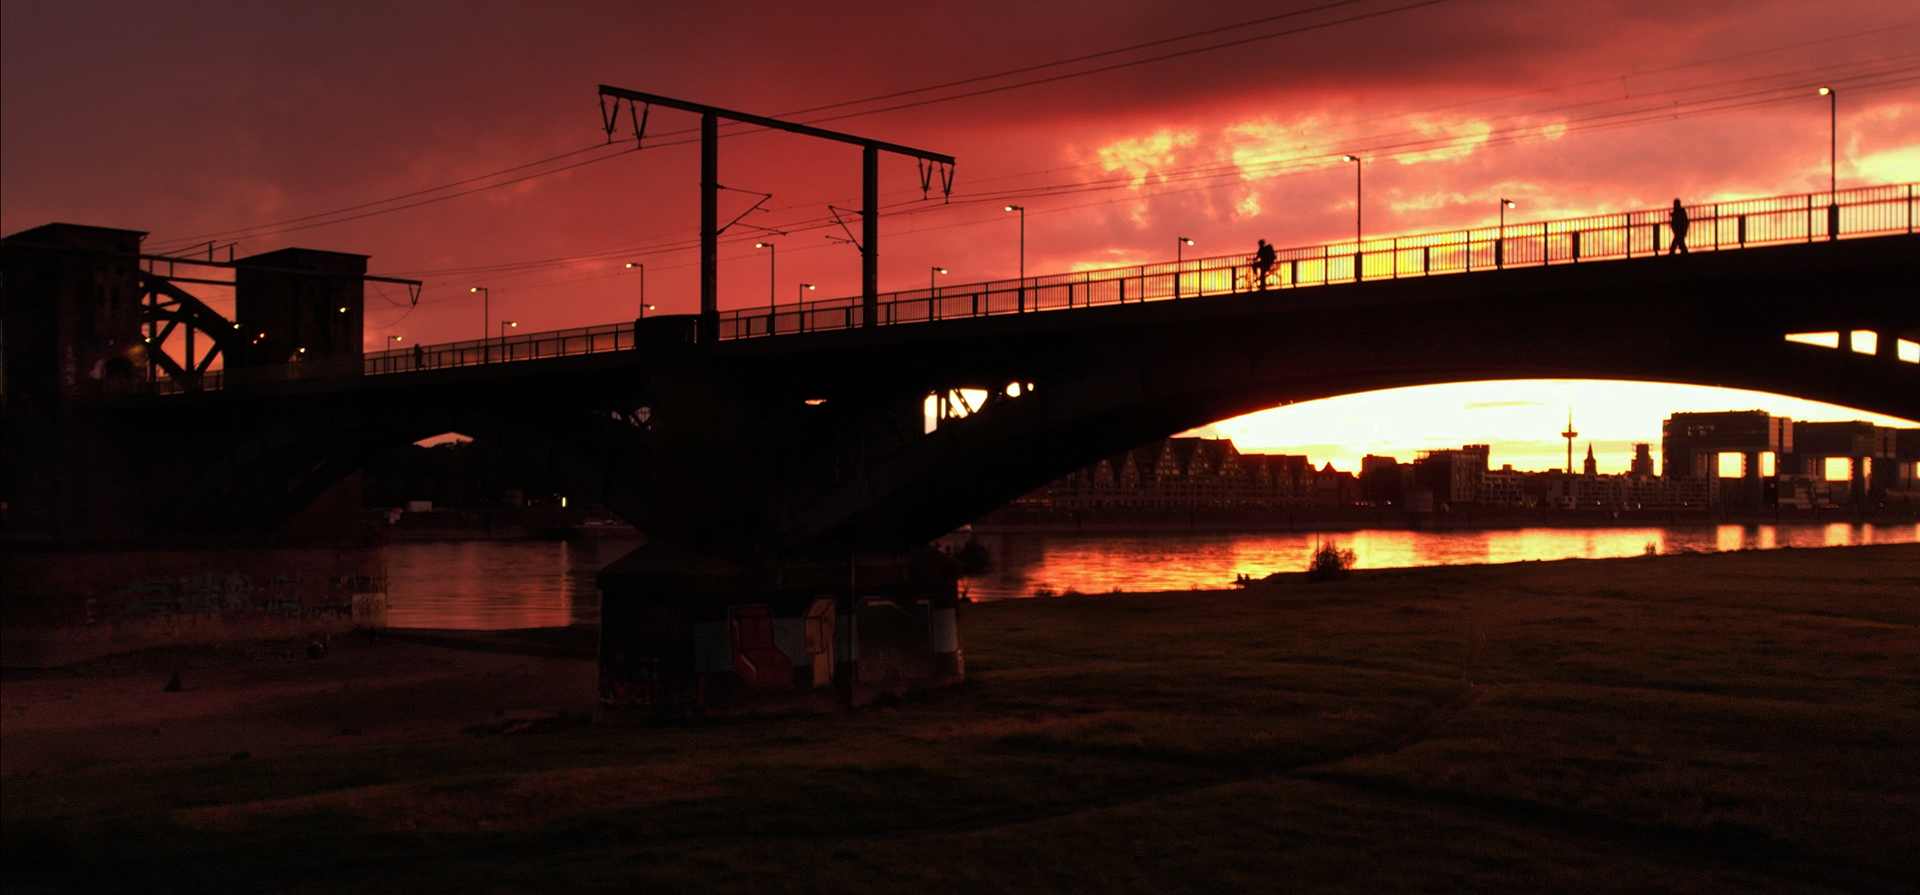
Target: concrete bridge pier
(683, 634)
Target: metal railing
(519, 347)
(1866, 211)
(1716, 226)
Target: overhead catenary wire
(278, 228)
(370, 209)
(1312, 160)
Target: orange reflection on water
(496, 585)
(1097, 563)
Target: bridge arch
(1149, 372)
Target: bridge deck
(1722, 226)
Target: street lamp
(800, 306)
(1500, 243)
(1356, 212)
(1356, 197)
(1023, 253)
(486, 316)
(503, 336)
(1180, 244)
(773, 256)
(932, 273)
(1833, 161)
(644, 307)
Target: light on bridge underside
(1860, 341)
(1824, 340)
(816, 402)
(1013, 389)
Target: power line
(1315, 160)
(269, 229)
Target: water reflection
(495, 585)
(1103, 562)
(492, 585)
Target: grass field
(1705, 723)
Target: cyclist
(1263, 262)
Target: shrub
(1329, 562)
(975, 559)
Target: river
(492, 585)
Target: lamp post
(503, 336)
(932, 274)
(644, 307)
(1833, 162)
(1356, 212)
(1023, 254)
(1180, 244)
(800, 306)
(1500, 242)
(486, 316)
(773, 256)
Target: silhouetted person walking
(1263, 262)
(419, 357)
(1679, 224)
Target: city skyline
(1522, 429)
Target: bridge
(137, 418)
(811, 429)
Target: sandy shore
(1729, 722)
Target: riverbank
(1025, 520)
(1719, 722)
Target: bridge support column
(688, 635)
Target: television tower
(1569, 435)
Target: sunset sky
(424, 134)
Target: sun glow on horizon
(1520, 419)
